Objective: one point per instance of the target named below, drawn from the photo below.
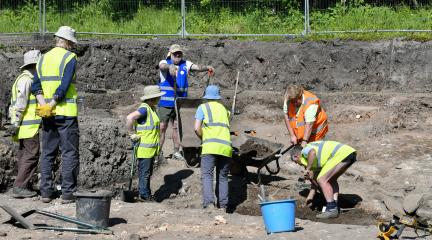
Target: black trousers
(60, 134)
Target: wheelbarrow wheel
(192, 157)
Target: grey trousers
(60, 134)
(208, 163)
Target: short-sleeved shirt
(163, 75)
(143, 118)
(199, 115)
(310, 113)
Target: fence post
(183, 16)
(306, 18)
(43, 19)
(40, 17)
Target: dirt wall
(122, 67)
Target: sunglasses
(177, 54)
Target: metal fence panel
(370, 15)
(19, 16)
(132, 17)
(236, 17)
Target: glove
(45, 111)
(135, 137)
(210, 71)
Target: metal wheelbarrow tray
(185, 113)
(259, 153)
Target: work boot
(146, 199)
(332, 213)
(178, 156)
(19, 192)
(67, 199)
(46, 199)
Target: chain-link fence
(215, 17)
(356, 16)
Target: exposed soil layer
(253, 149)
(377, 96)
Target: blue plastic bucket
(279, 216)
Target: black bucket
(93, 207)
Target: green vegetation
(102, 16)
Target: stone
(219, 220)
(412, 202)
(394, 206)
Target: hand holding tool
(210, 71)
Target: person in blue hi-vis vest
(174, 71)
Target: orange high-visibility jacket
(297, 123)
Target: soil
(377, 96)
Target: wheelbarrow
(259, 153)
(189, 141)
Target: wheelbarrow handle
(285, 151)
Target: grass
(97, 17)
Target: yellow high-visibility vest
(30, 121)
(216, 138)
(50, 69)
(328, 155)
(149, 132)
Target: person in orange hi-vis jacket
(305, 118)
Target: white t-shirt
(163, 75)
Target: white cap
(31, 57)
(67, 33)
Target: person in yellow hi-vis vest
(325, 162)
(143, 126)
(212, 126)
(54, 88)
(25, 126)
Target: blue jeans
(145, 170)
(63, 135)
(208, 163)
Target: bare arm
(308, 131)
(311, 158)
(201, 68)
(288, 126)
(170, 68)
(198, 130)
(130, 119)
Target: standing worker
(305, 118)
(174, 72)
(325, 162)
(212, 126)
(54, 87)
(143, 127)
(25, 126)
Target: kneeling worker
(325, 162)
(143, 126)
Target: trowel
(128, 195)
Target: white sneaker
(178, 156)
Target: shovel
(127, 195)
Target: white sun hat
(31, 57)
(151, 91)
(67, 33)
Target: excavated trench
(370, 90)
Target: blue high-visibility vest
(167, 86)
